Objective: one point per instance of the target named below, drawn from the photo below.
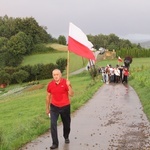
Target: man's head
(56, 75)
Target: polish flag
(119, 59)
(78, 43)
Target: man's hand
(68, 83)
(47, 111)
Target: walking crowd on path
(117, 74)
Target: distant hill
(145, 44)
(58, 47)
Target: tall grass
(140, 81)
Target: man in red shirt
(58, 103)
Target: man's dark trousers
(64, 113)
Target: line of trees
(28, 73)
(122, 47)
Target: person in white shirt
(103, 74)
(117, 74)
(111, 73)
(107, 74)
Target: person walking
(121, 76)
(125, 75)
(58, 103)
(117, 74)
(111, 69)
(103, 75)
(107, 73)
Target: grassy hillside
(75, 62)
(58, 47)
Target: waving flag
(78, 43)
(119, 59)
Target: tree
(17, 47)
(35, 70)
(46, 71)
(20, 76)
(4, 77)
(112, 46)
(139, 46)
(3, 50)
(32, 28)
(3, 42)
(7, 26)
(62, 40)
(61, 64)
(18, 44)
(52, 40)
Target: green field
(23, 116)
(76, 62)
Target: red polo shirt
(59, 93)
(126, 73)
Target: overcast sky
(128, 19)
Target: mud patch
(34, 87)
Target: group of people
(117, 74)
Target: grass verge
(23, 115)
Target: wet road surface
(112, 120)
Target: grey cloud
(121, 17)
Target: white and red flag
(78, 42)
(119, 59)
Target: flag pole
(68, 65)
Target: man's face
(57, 75)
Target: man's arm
(70, 91)
(48, 101)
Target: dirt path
(112, 120)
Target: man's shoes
(54, 146)
(67, 141)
